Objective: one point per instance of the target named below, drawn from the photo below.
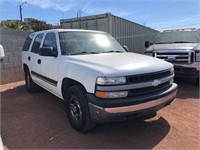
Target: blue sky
(157, 14)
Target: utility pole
(20, 10)
(79, 12)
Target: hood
(120, 64)
(176, 46)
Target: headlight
(149, 53)
(172, 71)
(197, 57)
(118, 94)
(111, 80)
(171, 81)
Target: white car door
(50, 65)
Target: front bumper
(187, 70)
(195, 65)
(108, 112)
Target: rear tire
(30, 85)
(77, 109)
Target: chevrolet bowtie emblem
(156, 83)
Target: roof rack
(186, 29)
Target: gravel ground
(38, 121)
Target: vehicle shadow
(132, 134)
(40, 120)
(187, 88)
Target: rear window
(27, 43)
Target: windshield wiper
(114, 51)
(93, 52)
(164, 43)
(84, 52)
(182, 42)
(173, 42)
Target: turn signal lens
(198, 57)
(171, 81)
(119, 94)
(172, 71)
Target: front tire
(30, 85)
(148, 116)
(77, 109)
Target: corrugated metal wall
(126, 32)
(131, 34)
(98, 22)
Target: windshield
(178, 37)
(77, 43)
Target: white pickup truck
(181, 47)
(96, 77)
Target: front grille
(181, 56)
(148, 77)
(143, 86)
(149, 90)
(142, 78)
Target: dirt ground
(38, 121)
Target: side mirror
(147, 44)
(2, 55)
(126, 48)
(48, 51)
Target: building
(126, 32)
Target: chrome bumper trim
(141, 106)
(102, 114)
(195, 65)
(132, 108)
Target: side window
(27, 43)
(36, 43)
(50, 41)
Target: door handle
(29, 58)
(39, 61)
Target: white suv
(98, 80)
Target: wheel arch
(67, 83)
(25, 67)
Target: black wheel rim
(75, 109)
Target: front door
(50, 65)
